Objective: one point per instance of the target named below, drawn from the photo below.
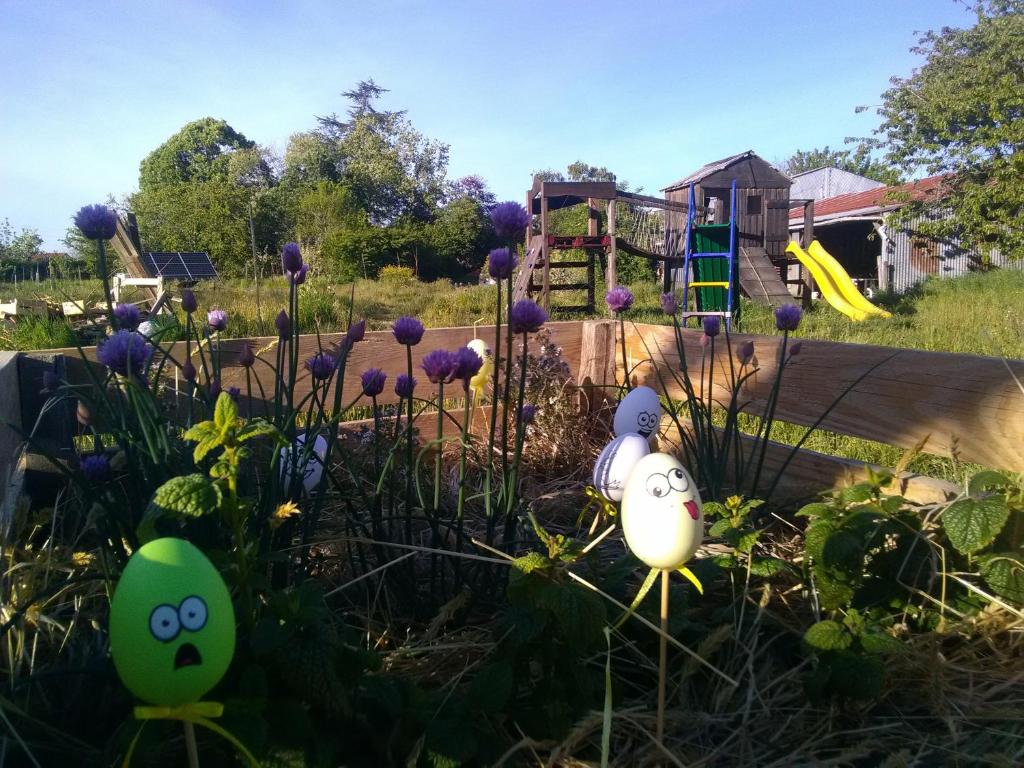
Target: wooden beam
(377, 350)
(545, 295)
(968, 407)
(596, 369)
(601, 190)
(611, 278)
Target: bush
(394, 275)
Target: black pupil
(166, 622)
(191, 614)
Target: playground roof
(748, 169)
(874, 201)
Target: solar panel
(179, 265)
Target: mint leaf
(1004, 573)
(828, 636)
(972, 524)
(185, 496)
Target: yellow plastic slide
(842, 280)
(835, 285)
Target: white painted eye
(163, 623)
(678, 480)
(193, 613)
(658, 485)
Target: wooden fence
(961, 406)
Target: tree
(17, 249)
(962, 113)
(858, 160)
(458, 238)
(475, 187)
(199, 152)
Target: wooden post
(593, 229)
(545, 251)
(808, 237)
(596, 369)
(611, 278)
(662, 658)
(190, 745)
(883, 256)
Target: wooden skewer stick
(190, 745)
(662, 657)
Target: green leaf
(185, 496)
(856, 675)
(715, 509)
(817, 509)
(828, 636)
(880, 643)
(767, 566)
(746, 541)
(201, 431)
(204, 446)
(985, 481)
(258, 428)
(856, 493)
(972, 524)
(530, 562)
(491, 689)
(720, 527)
(1004, 573)
(225, 413)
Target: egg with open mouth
(662, 516)
(639, 411)
(172, 624)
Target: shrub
(395, 275)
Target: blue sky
(651, 90)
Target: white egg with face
(662, 516)
(639, 411)
(616, 461)
(308, 464)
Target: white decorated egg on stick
(639, 411)
(662, 516)
(616, 461)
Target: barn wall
(910, 258)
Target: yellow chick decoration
(479, 382)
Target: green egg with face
(172, 624)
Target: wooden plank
(967, 406)
(596, 369)
(610, 276)
(601, 190)
(377, 350)
(810, 473)
(545, 254)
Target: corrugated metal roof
(710, 168)
(825, 182)
(875, 200)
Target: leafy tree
(858, 160)
(17, 249)
(458, 238)
(311, 158)
(474, 186)
(962, 113)
(199, 152)
(325, 209)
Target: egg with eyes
(616, 461)
(662, 516)
(479, 381)
(310, 464)
(639, 411)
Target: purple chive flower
(298, 277)
(619, 299)
(712, 326)
(96, 467)
(795, 349)
(214, 389)
(320, 366)
(283, 323)
(439, 366)
(787, 317)
(128, 316)
(218, 319)
(373, 381)
(188, 371)
(291, 258)
(404, 385)
(467, 364)
(669, 303)
(745, 353)
(528, 413)
(408, 331)
(246, 358)
(527, 316)
(96, 222)
(234, 393)
(188, 301)
(501, 263)
(356, 332)
(510, 220)
(125, 352)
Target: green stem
(520, 435)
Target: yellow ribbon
(197, 713)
